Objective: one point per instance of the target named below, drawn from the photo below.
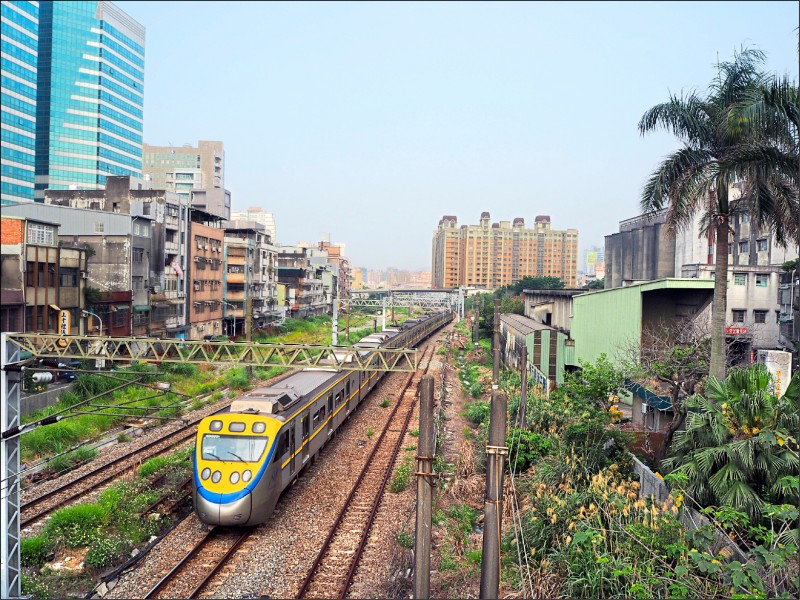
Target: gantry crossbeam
(240, 353)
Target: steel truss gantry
(151, 350)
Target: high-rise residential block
(89, 96)
(19, 44)
(255, 214)
(492, 255)
(185, 168)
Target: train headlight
(259, 427)
(205, 474)
(246, 476)
(215, 426)
(216, 477)
(234, 477)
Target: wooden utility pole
(496, 450)
(496, 344)
(427, 446)
(523, 399)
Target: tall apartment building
(205, 296)
(180, 169)
(19, 45)
(304, 287)
(255, 214)
(492, 255)
(89, 98)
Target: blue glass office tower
(19, 43)
(90, 95)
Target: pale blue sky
(372, 120)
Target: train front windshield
(233, 448)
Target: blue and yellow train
(245, 458)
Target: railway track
(198, 566)
(337, 561)
(35, 509)
(43, 505)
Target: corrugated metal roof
(523, 324)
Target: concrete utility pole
(523, 400)
(493, 504)
(496, 344)
(427, 447)
(347, 325)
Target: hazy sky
(370, 121)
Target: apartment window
(99, 227)
(744, 247)
(745, 218)
(740, 279)
(138, 283)
(118, 318)
(69, 277)
(759, 316)
(762, 280)
(761, 245)
(41, 235)
(138, 255)
(738, 316)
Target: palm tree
(769, 162)
(698, 177)
(738, 449)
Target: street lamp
(100, 363)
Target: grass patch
(384, 403)
(414, 433)
(402, 476)
(405, 540)
(64, 462)
(370, 432)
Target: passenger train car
(244, 459)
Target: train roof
(281, 400)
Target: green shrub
(75, 525)
(478, 412)
(64, 462)
(414, 433)
(216, 396)
(464, 516)
(35, 550)
(402, 476)
(405, 540)
(237, 378)
(182, 369)
(384, 403)
(152, 465)
(123, 438)
(105, 551)
(524, 447)
(370, 432)
(34, 588)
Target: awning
(140, 308)
(122, 307)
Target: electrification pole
(496, 344)
(523, 400)
(422, 550)
(496, 450)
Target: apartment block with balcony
(205, 295)
(40, 276)
(491, 255)
(305, 294)
(111, 247)
(157, 228)
(250, 278)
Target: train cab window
(306, 425)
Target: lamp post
(100, 363)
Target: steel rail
(212, 534)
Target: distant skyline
(370, 121)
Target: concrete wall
(641, 251)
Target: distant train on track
(244, 459)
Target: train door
(292, 449)
(306, 432)
(330, 414)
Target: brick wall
(11, 231)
